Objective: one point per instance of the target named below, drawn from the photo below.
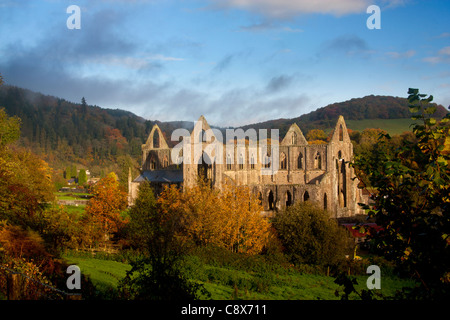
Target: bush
(310, 236)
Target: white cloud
(135, 63)
(445, 51)
(269, 26)
(401, 55)
(289, 8)
(444, 35)
(161, 57)
(443, 56)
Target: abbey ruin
(304, 172)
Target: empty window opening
(241, 162)
(283, 161)
(270, 200)
(156, 139)
(288, 199)
(306, 196)
(300, 161)
(294, 138)
(318, 161)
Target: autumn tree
(25, 179)
(103, 213)
(316, 136)
(412, 200)
(115, 140)
(229, 218)
(9, 128)
(157, 274)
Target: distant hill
(64, 131)
(359, 113)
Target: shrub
(310, 236)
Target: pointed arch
(152, 163)
(204, 168)
(156, 139)
(165, 162)
(229, 162)
(267, 161)
(318, 161)
(283, 161)
(252, 161)
(271, 200)
(306, 196)
(294, 138)
(300, 161)
(241, 161)
(288, 198)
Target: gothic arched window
(300, 161)
(283, 161)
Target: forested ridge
(368, 107)
(65, 132)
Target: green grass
(70, 196)
(226, 283)
(392, 126)
(104, 274)
(79, 210)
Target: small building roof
(167, 176)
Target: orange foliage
(25, 184)
(317, 142)
(114, 137)
(104, 209)
(316, 135)
(229, 218)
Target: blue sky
(236, 62)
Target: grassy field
(226, 283)
(104, 274)
(392, 126)
(71, 196)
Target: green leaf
(441, 160)
(414, 109)
(413, 91)
(431, 121)
(430, 110)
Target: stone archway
(271, 200)
(288, 198)
(306, 196)
(204, 168)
